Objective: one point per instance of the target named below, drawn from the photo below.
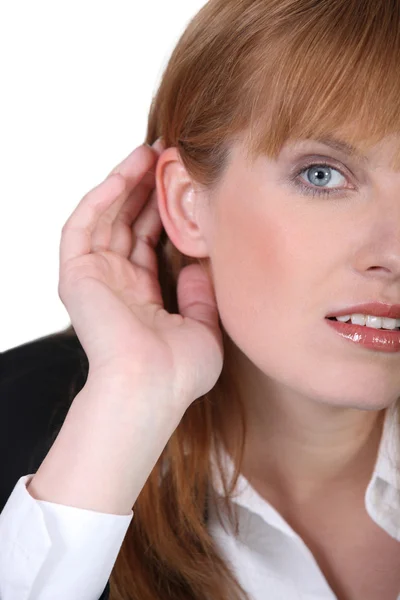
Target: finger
(98, 200)
(137, 170)
(121, 236)
(76, 235)
(127, 167)
(196, 295)
(145, 236)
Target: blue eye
(320, 173)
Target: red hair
(267, 70)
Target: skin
(281, 260)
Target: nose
(382, 259)
(383, 265)
(379, 255)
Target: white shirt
(50, 551)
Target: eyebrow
(339, 145)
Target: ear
(178, 204)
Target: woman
(278, 250)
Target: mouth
(372, 338)
(366, 326)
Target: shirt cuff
(52, 551)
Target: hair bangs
(325, 78)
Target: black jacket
(38, 381)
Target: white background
(77, 80)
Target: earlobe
(177, 203)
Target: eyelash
(315, 191)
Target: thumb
(196, 296)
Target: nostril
(379, 268)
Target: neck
(304, 459)
(301, 447)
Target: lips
(376, 309)
(371, 338)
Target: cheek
(262, 290)
(253, 274)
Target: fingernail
(154, 143)
(159, 144)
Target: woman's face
(282, 259)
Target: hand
(109, 285)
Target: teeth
(371, 321)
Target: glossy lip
(374, 339)
(376, 309)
